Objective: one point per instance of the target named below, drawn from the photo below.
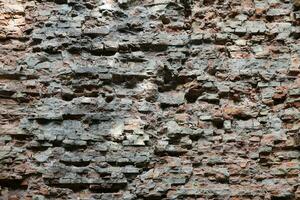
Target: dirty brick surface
(149, 99)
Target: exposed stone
(155, 99)
(171, 98)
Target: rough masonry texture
(149, 99)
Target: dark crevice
(107, 188)
(288, 197)
(12, 184)
(72, 116)
(77, 164)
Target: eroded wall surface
(153, 99)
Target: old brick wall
(149, 99)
